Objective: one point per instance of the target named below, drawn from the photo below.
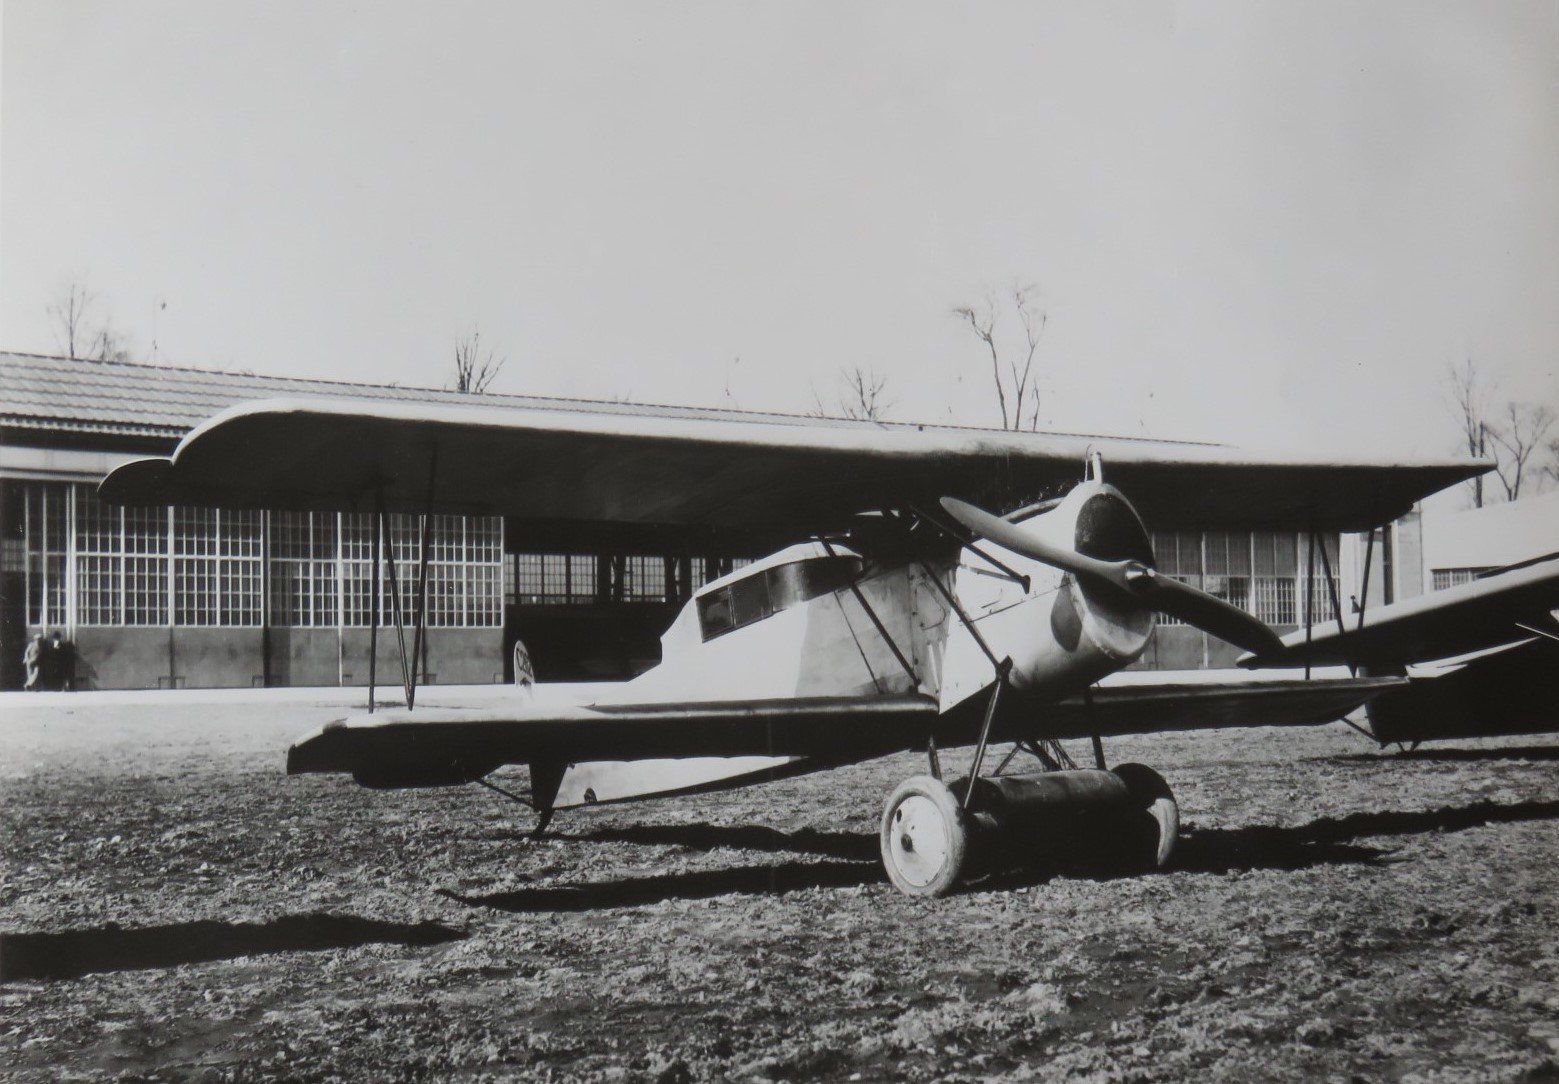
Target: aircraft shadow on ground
(73, 953)
(853, 846)
(702, 884)
(1517, 752)
(1327, 841)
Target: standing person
(32, 662)
(60, 663)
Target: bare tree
(1522, 441)
(1467, 392)
(862, 396)
(78, 330)
(1520, 434)
(475, 368)
(1014, 378)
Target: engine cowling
(1090, 629)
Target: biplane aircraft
(902, 616)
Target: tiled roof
(134, 399)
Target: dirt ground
(173, 907)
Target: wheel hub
(920, 839)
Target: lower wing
(763, 739)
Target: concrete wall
(151, 658)
(453, 656)
(303, 657)
(217, 658)
(131, 658)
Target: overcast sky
(1270, 224)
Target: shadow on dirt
(1450, 819)
(639, 891)
(1227, 850)
(1513, 752)
(852, 846)
(1327, 841)
(74, 953)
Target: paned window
(645, 579)
(1178, 554)
(581, 578)
(1319, 594)
(69, 531)
(1455, 577)
(1226, 566)
(90, 563)
(1275, 566)
(146, 566)
(1263, 572)
(465, 575)
(303, 569)
(216, 567)
(45, 516)
(99, 562)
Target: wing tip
(138, 482)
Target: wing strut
(1003, 668)
(395, 602)
(417, 659)
(409, 668)
(947, 596)
(373, 629)
(968, 542)
(1098, 742)
(882, 630)
(1309, 579)
(1364, 588)
(1331, 586)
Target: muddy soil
(173, 907)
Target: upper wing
(1456, 621)
(629, 465)
(436, 747)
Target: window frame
(795, 586)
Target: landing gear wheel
(1152, 794)
(925, 837)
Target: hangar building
(192, 597)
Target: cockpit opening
(769, 590)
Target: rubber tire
(955, 826)
(1152, 793)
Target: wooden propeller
(1134, 578)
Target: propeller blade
(1201, 610)
(1015, 538)
(1168, 596)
